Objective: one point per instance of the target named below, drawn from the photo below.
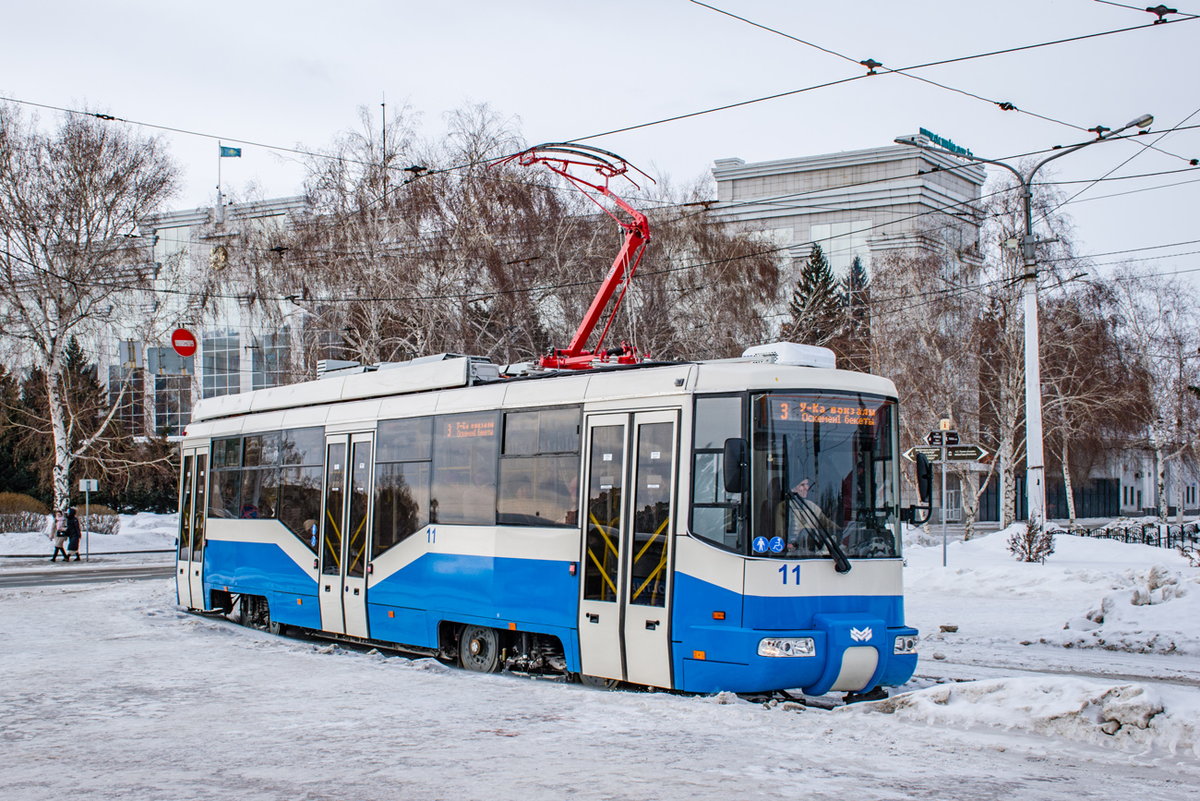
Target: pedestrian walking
(73, 534)
(57, 529)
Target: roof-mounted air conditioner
(792, 353)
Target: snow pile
(140, 532)
(1126, 715)
(917, 537)
(1152, 611)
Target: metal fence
(1162, 535)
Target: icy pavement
(109, 691)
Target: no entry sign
(184, 342)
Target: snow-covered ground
(111, 691)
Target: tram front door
(628, 547)
(345, 533)
(193, 511)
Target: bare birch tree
(70, 201)
(1094, 393)
(1159, 322)
(925, 318)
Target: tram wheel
(597, 682)
(479, 649)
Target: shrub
(19, 522)
(16, 503)
(101, 523)
(1033, 544)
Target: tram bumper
(840, 653)
(859, 654)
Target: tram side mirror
(737, 465)
(924, 478)
(925, 490)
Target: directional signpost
(944, 447)
(966, 453)
(87, 486)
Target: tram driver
(807, 527)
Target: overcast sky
(294, 73)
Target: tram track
(995, 670)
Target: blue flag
(231, 152)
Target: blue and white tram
(729, 525)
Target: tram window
(401, 502)
(542, 431)
(651, 514)
(717, 419)
(716, 514)
(261, 450)
(300, 501)
(404, 440)
(465, 448)
(520, 433)
(225, 498)
(302, 446)
(600, 569)
(539, 484)
(227, 453)
(185, 509)
(539, 491)
(260, 494)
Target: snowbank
(1124, 715)
(140, 532)
(1155, 611)
(1090, 593)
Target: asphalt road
(82, 573)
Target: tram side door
(195, 509)
(345, 533)
(627, 548)
(183, 587)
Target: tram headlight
(787, 646)
(905, 644)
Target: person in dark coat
(73, 534)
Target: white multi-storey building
(860, 203)
(236, 350)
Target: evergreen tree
(854, 346)
(817, 310)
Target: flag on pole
(231, 152)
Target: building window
(172, 404)
(172, 389)
(221, 365)
(131, 406)
(841, 242)
(271, 357)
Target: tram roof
(479, 384)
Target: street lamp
(1034, 452)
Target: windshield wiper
(841, 563)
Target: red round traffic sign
(184, 342)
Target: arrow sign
(932, 454)
(938, 438)
(966, 453)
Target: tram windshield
(823, 477)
